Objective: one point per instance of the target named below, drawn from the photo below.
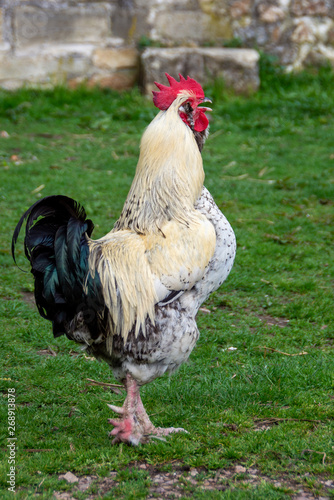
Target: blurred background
(257, 393)
(121, 43)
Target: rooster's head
(189, 111)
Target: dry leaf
(262, 171)
(38, 189)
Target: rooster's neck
(169, 175)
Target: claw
(161, 431)
(120, 425)
(114, 432)
(159, 438)
(114, 421)
(116, 409)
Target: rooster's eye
(187, 107)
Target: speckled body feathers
(170, 338)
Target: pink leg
(126, 427)
(134, 426)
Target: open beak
(204, 109)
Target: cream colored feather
(160, 242)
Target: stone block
(240, 8)
(116, 59)
(303, 33)
(311, 7)
(190, 26)
(271, 13)
(130, 24)
(320, 55)
(237, 67)
(41, 69)
(331, 36)
(168, 4)
(120, 80)
(71, 64)
(25, 68)
(1, 26)
(310, 30)
(81, 24)
(4, 44)
(58, 50)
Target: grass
(267, 404)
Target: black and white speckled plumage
(169, 342)
(131, 297)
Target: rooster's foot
(127, 430)
(132, 431)
(134, 426)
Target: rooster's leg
(134, 426)
(126, 428)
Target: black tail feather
(56, 246)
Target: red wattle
(201, 122)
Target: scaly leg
(134, 426)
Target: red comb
(164, 97)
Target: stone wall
(52, 41)
(238, 68)
(299, 32)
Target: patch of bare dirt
(181, 481)
(29, 298)
(271, 321)
(267, 423)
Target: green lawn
(267, 404)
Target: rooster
(131, 297)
